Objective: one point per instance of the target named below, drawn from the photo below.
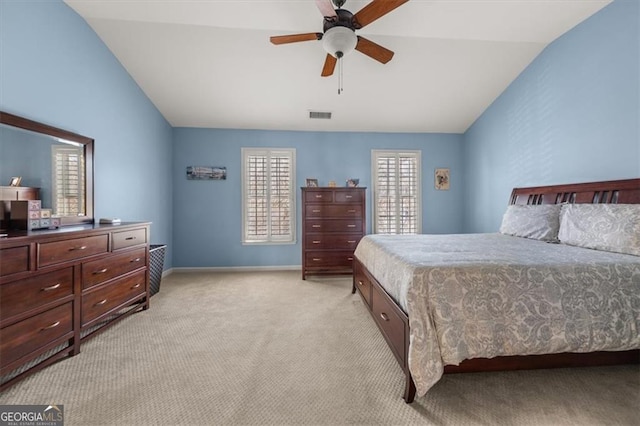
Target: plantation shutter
(269, 197)
(396, 192)
(68, 180)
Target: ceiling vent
(320, 115)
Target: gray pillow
(609, 227)
(539, 222)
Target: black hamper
(156, 266)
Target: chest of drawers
(60, 287)
(333, 221)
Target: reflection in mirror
(59, 164)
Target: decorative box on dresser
(333, 222)
(60, 287)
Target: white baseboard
(237, 269)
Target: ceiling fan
(339, 37)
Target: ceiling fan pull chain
(340, 76)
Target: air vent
(320, 115)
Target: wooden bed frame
(394, 323)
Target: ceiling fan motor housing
(339, 35)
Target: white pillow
(609, 227)
(540, 221)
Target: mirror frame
(44, 129)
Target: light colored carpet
(269, 348)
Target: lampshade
(339, 41)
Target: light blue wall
(571, 116)
(208, 214)
(55, 69)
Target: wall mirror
(57, 162)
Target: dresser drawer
(61, 251)
(101, 270)
(33, 333)
(318, 196)
(14, 260)
(389, 322)
(24, 295)
(333, 210)
(322, 259)
(332, 241)
(362, 283)
(96, 303)
(349, 196)
(333, 225)
(129, 238)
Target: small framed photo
(442, 179)
(15, 181)
(353, 182)
(312, 183)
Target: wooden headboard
(608, 192)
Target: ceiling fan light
(339, 39)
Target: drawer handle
(51, 287)
(349, 258)
(316, 211)
(136, 286)
(351, 241)
(317, 259)
(351, 226)
(78, 248)
(360, 282)
(318, 196)
(316, 241)
(102, 302)
(130, 238)
(49, 327)
(384, 316)
(101, 271)
(351, 211)
(348, 196)
(315, 226)
(137, 259)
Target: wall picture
(442, 179)
(206, 173)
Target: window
(68, 180)
(268, 202)
(396, 192)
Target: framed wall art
(206, 173)
(442, 179)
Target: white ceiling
(209, 63)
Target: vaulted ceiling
(209, 63)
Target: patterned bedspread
(487, 295)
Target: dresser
(60, 287)
(333, 221)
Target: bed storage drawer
(389, 322)
(362, 283)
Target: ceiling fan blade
(329, 65)
(293, 38)
(326, 8)
(375, 10)
(373, 50)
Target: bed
(525, 297)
